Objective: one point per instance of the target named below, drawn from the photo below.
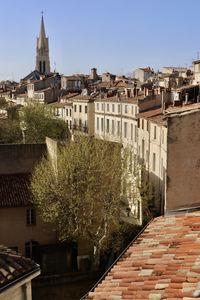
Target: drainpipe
(186, 98)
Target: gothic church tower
(42, 51)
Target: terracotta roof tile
(13, 266)
(14, 190)
(163, 263)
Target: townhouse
(116, 120)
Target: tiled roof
(163, 263)
(13, 267)
(151, 113)
(181, 109)
(14, 190)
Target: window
(67, 112)
(154, 134)
(85, 109)
(154, 162)
(102, 123)
(75, 108)
(70, 124)
(135, 133)
(30, 216)
(163, 136)
(143, 149)
(97, 106)
(107, 126)
(118, 128)
(136, 110)
(97, 123)
(138, 123)
(161, 168)
(131, 131)
(102, 106)
(125, 129)
(31, 250)
(119, 108)
(108, 108)
(113, 108)
(113, 127)
(126, 109)
(147, 125)
(70, 112)
(14, 248)
(80, 108)
(147, 155)
(142, 123)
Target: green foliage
(82, 190)
(80, 193)
(3, 103)
(38, 122)
(10, 132)
(35, 122)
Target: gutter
(12, 283)
(118, 258)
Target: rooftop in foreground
(14, 268)
(163, 263)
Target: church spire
(42, 51)
(42, 28)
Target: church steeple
(42, 51)
(42, 29)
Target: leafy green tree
(10, 132)
(81, 193)
(38, 122)
(3, 103)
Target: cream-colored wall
(157, 146)
(143, 135)
(85, 118)
(118, 112)
(15, 233)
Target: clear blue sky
(112, 35)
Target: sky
(111, 35)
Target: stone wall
(183, 161)
(20, 158)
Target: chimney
(162, 102)
(93, 73)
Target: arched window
(40, 66)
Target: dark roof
(34, 75)
(162, 263)
(14, 190)
(13, 267)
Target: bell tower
(42, 51)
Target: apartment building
(167, 145)
(72, 83)
(116, 120)
(152, 151)
(82, 114)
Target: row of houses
(141, 121)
